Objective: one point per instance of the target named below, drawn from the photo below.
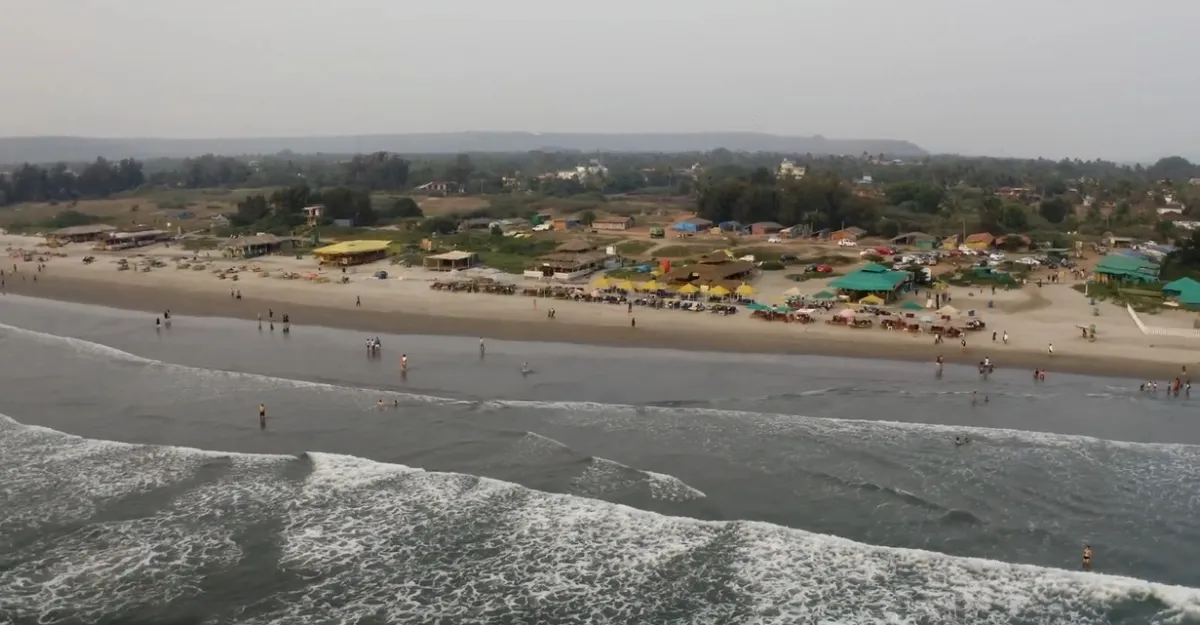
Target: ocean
(608, 486)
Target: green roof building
(874, 279)
(1121, 268)
(1185, 290)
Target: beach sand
(404, 304)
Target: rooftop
(455, 255)
(74, 231)
(346, 248)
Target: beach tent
(625, 286)
(824, 295)
(911, 306)
(719, 291)
(757, 307)
(947, 310)
(649, 285)
(792, 292)
(602, 283)
(745, 290)
(871, 300)
(688, 289)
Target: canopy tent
(912, 306)
(755, 306)
(745, 290)
(871, 300)
(872, 278)
(602, 283)
(947, 310)
(792, 292)
(688, 289)
(807, 311)
(719, 291)
(825, 295)
(649, 285)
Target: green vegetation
(684, 251)
(634, 248)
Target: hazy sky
(1111, 78)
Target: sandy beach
(1033, 317)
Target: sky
(1108, 79)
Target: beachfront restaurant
(451, 261)
(712, 268)
(874, 279)
(132, 238)
(257, 245)
(1122, 268)
(567, 265)
(349, 253)
(79, 234)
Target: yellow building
(352, 252)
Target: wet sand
(566, 329)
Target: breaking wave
(151, 533)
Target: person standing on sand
(357, 301)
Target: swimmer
(1087, 557)
(381, 403)
(395, 404)
(974, 397)
(525, 370)
(403, 362)
(481, 346)
(985, 399)
(262, 416)
(157, 322)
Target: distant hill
(74, 149)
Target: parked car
(847, 243)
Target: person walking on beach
(1006, 337)
(1051, 349)
(262, 416)
(358, 301)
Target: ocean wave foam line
(395, 544)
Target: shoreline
(155, 299)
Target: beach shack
(919, 240)
(79, 234)
(1186, 291)
(135, 237)
(1122, 268)
(874, 279)
(570, 261)
(692, 224)
(257, 245)
(980, 241)
(853, 233)
(613, 223)
(349, 253)
(713, 270)
(451, 261)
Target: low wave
(356, 540)
(777, 420)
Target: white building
(788, 169)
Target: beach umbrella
(757, 307)
(911, 306)
(688, 289)
(649, 285)
(602, 283)
(744, 290)
(625, 286)
(824, 295)
(871, 300)
(781, 309)
(847, 313)
(947, 310)
(792, 292)
(719, 291)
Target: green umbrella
(912, 306)
(783, 310)
(824, 295)
(758, 307)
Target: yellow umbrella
(719, 291)
(744, 289)
(688, 289)
(871, 300)
(650, 285)
(602, 283)
(625, 286)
